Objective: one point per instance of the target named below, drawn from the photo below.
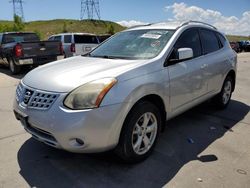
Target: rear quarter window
(103, 38)
(222, 39)
(209, 41)
(88, 39)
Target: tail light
(61, 48)
(73, 47)
(18, 50)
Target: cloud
(229, 25)
(131, 23)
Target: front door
(187, 82)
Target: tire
(14, 69)
(223, 98)
(139, 133)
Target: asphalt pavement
(204, 147)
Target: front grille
(42, 100)
(19, 92)
(36, 99)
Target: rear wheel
(139, 133)
(14, 69)
(224, 97)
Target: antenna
(18, 8)
(91, 7)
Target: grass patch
(50, 27)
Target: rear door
(214, 60)
(186, 81)
(85, 43)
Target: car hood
(67, 74)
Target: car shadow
(5, 70)
(183, 141)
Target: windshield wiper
(107, 56)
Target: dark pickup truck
(22, 48)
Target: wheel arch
(157, 101)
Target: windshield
(20, 37)
(135, 44)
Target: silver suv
(120, 95)
(76, 43)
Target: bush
(39, 34)
(111, 29)
(64, 30)
(18, 24)
(5, 28)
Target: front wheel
(139, 133)
(224, 97)
(14, 69)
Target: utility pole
(91, 8)
(18, 8)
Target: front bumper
(59, 127)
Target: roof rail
(191, 21)
(139, 26)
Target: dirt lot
(204, 147)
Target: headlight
(89, 95)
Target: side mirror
(185, 53)
(180, 55)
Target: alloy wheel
(144, 133)
(227, 92)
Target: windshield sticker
(150, 36)
(156, 43)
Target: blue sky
(124, 10)
(143, 10)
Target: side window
(1, 36)
(58, 38)
(67, 38)
(221, 39)
(189, 39)
(209, 41)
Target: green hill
(50, 27)
(234, 38)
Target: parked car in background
(245, 46)
(120, 95)
(102, 38)
(235, 46)
(25, 48)
(76, 43)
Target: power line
(91, 8)
(18, 8)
